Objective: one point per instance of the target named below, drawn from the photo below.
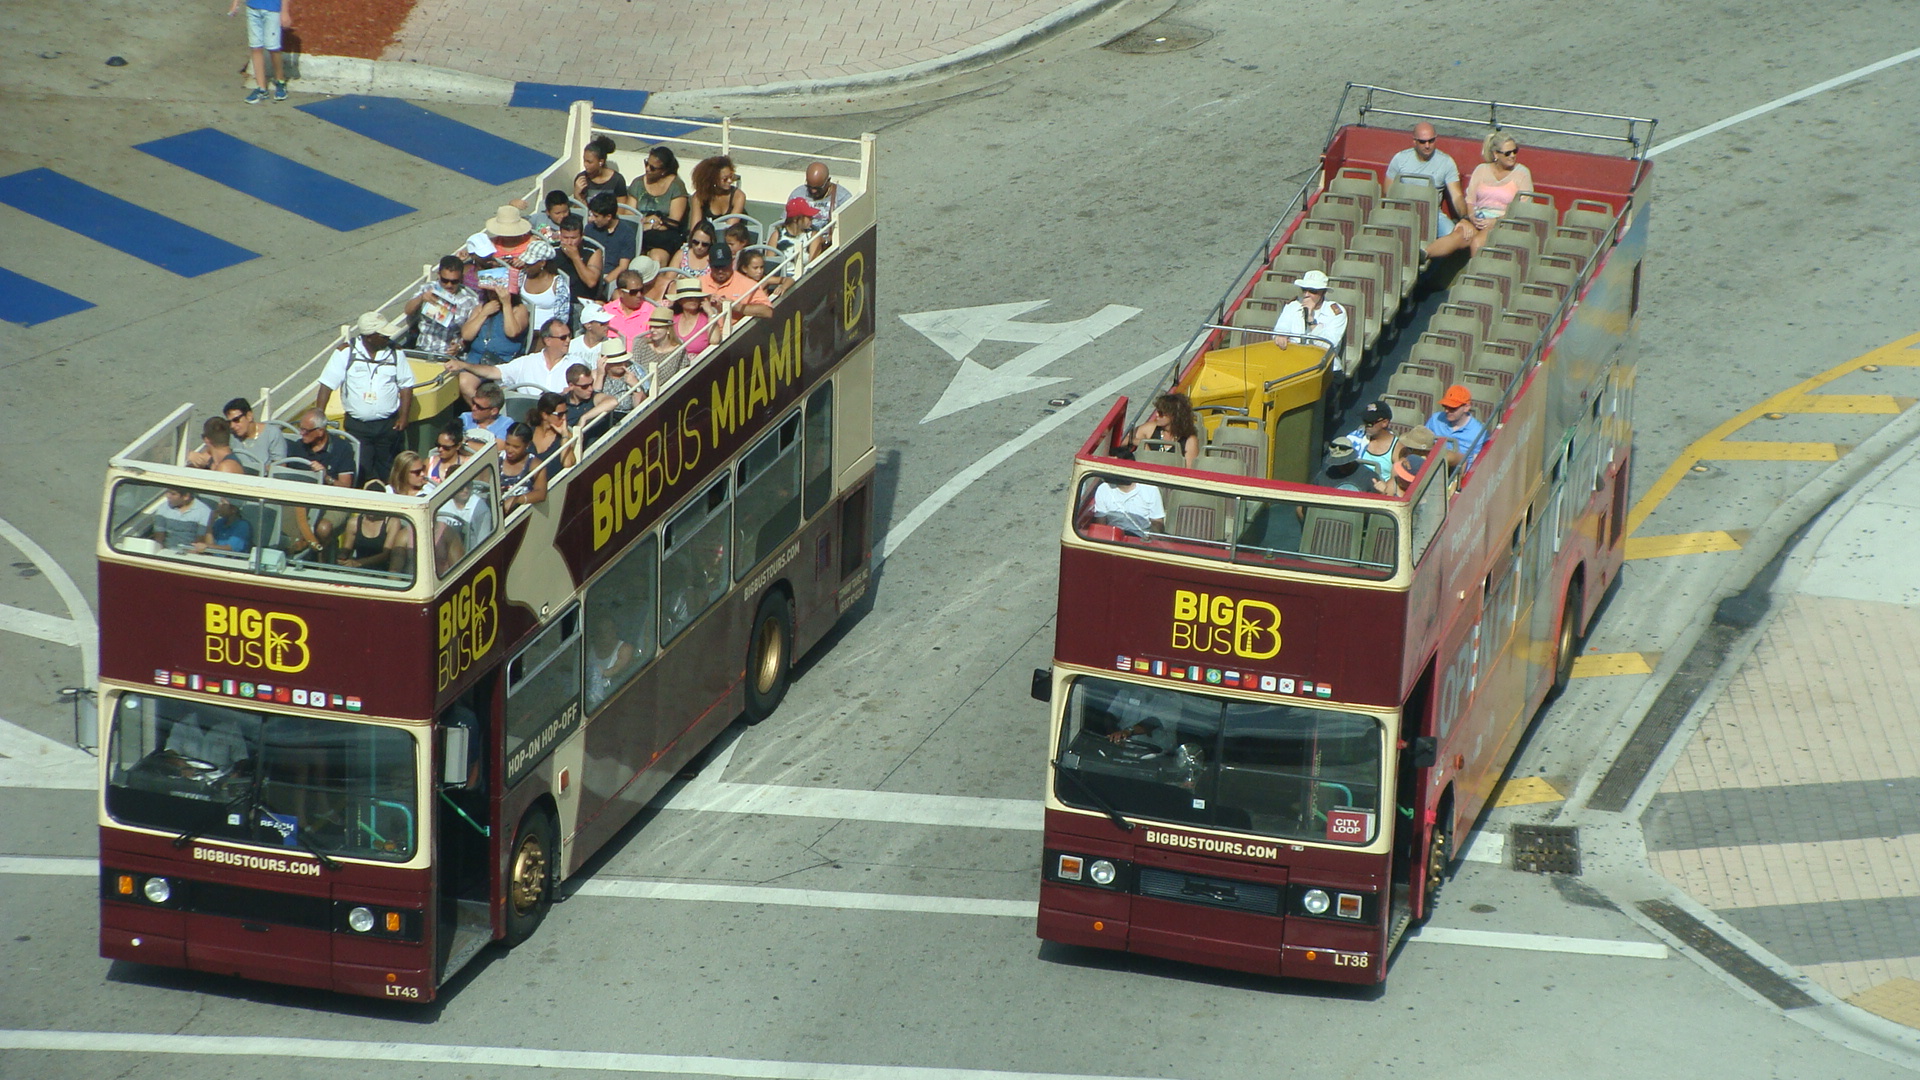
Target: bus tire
(769, 655)
(1439, 862)
(1567, 642)
(530, 874)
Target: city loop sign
(1221, 625)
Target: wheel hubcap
(768, 655)
(1436, 867)
(529, 883)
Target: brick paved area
(1794, 810)
(662, 45)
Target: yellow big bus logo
(469, 621)
(251, 638)
(1206, 623)
(853, 290)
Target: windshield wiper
(260, 804)
(1093, 796)
(190, 835)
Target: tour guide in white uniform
(373, 393)
(1314, 316)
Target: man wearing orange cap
(1455, 423)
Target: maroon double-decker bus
(354, 773)
(1280, 693)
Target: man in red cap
(1455, 423)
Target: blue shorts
(1443, 226)
(263, 29)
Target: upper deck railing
(768, 161)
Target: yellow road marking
(1892, 354)
(1896, 999)
(1619, 663)
(1700, 543)
(1525, 791)
(1846, 403)
(1770, 451)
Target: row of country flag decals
(1243, 680)
(279, 695)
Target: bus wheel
(1567, 645)
(530, 876)
(1439, 853)
(769, 656)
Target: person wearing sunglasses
(545, 367)
(1425, 159)
(1495, 183)
(442, 307)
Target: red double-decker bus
(354, 773)
(1279, 695)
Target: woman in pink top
(691, 314)
(1490, 190)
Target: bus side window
(819, 449)
(694, 573)
(620, 620)
(767, 496)
(542, 684)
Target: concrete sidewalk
(697, 58)
(1793, 811)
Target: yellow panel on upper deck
(428, 399)
(1278, 385)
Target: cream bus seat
(1331, 534)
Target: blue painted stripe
(533, 95)
(119, 224)
(442, 140)
(26, 301)
(529, 95)
(272, 179)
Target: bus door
(462, 845)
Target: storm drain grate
(1545, 849)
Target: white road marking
(641, 889)
(635, 889)
(1101, 396)
(33, 624)
(47, 866)
(267, 1047)
(1495, 939)
(1799, 95)
(31, 760)
(1485, 847)
(904, 808)
(959, 331)
(85, 629)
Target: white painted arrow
(958, 331)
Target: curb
(747, 98)
(341, 75)
(1623, 875)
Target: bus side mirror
(1042, 685)
(453, 756)
(1425, 751)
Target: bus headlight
(360, 919)
(157, 890)
(1316, 901)
(1102, 872)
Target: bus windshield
(298, 537)
(1275, 533)
(1272, 768)
(200, 769)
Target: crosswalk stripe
(430, 136)
(119, 224)
(29, 302)
(275, 180)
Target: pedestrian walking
(265, 20)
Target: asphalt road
(1084, 177)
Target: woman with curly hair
(716, 189)
(1170, 421)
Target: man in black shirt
(619, 240)
(585, 261)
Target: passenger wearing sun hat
(1454, 422)
(504, 236)
(619, 377)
